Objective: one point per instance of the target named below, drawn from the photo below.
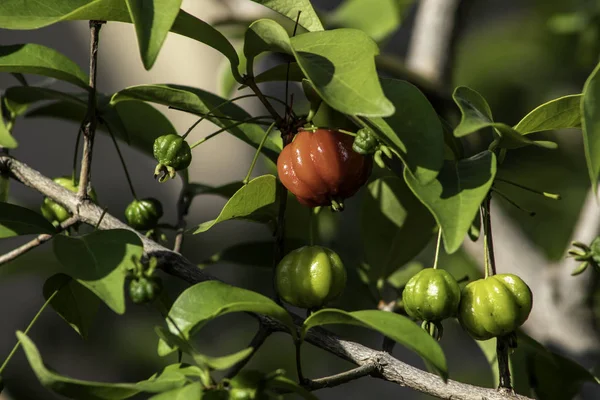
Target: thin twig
(183, 207)
(41, 239)
(89, 128)
(257, 341)
(252, 85)
(391, 370)
(503, 365)
(341, 378)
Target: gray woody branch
(388, 368)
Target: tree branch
(341, 378)
(391, 369)
(89, 127)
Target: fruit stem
(553, 196)
(204, 139)
(114, 140)
(504, 381)
(16, 347)
(437, 248)
(490, 259)
(260, 146)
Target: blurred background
(518, 54)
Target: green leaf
(24, 14)
(455, 195)
(308, 17)
(20, 97)
(283, 383)
(476, 115)
(79, 389)
(6, 139)
(255, 201)
(16, 221)
(152, 19)
(264, 35)
(192, 391)
(395, 226)
(280, 73)
(73, 302)
(378, 19)
(258, 254)
(41, 60)
(223, 362)
(205, 301)
(198, 101)
(340, 64)
(475, 111)
(590, 123)
(402, 275)
(99, 261)
(394, 326)
(561, 113)
(227, 190)
(414, 130)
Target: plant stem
(35, 318)
(114, 140)
(257, 341)
(553, 196)
(299, 362)
(260, 146)
(341, 378)
(263, 99)
(437, 249)
(183, 206)
(212, 135)
(504, 381)
(489, 241)
(89, 128)
(40, 239)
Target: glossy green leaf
(286, 384)
(255, 201)
(394, 326)
(590, 123)
(414, 131)
(378, 19)
(73, 302)
(40, 60)
(475, 111)
(340, 63)
(395, 226)
(16, 221)
(264, 35)
(25, 14)
(455, 195)
(198, 101)
(192, 391)
(153, 20)
(79, 389)
(290, 8)
(99, 261)
(205, 301)
(511, 139)
(23, 96)
(280, 73)
(561, 113)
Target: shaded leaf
(223, 362)
(255, 201)
(205, 301)
(590, 123)
(6, 138)
(281, 382)
(414, 130)
(308, 17)
(561, 113)
(258, 254)
(455, 195)
(394, 326)
(16, 221)
(340, 64)
(200, 102)
(41, 60)
(20, 97)
(99, 261)
(378, 19)
(395, 226)
(475, 111)
(153, 20)
(73, 302)
(264, 35)
(280, 73)
(79, 389)
(192, 391)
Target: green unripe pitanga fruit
(144, 214)
(173, 154)
(56, 213)
(310, 276)
(494, 306)
(144, 290)
(431, 295)
(365, 142)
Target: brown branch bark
(390, 369)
